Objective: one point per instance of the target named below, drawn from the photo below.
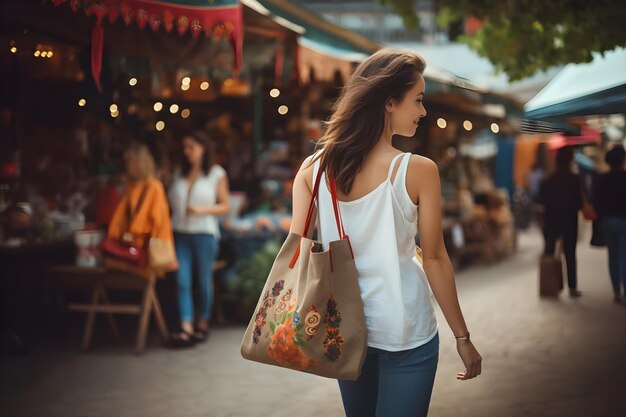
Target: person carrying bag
(139, 239)
(124, 248)
(310, 314)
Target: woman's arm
(222, 207)
(301, 197)
(436, 261)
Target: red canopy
(218, 19)
(588, 136)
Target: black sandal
(182, 340)
(201, 334)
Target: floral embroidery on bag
(268, 302)
(283, 306)
(333, 342)
(312, 322)
(287, 338)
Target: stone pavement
(547, 358)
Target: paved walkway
(548, 358)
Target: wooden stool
(98, 280)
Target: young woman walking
(382, 193)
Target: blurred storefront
(82, 80)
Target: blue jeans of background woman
(393, 384)
(615, 234)
(195, 252)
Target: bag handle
(314, 193)
(309, 217)
(132, 213)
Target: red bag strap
(314, 193)
(309, 217)
(340, 229)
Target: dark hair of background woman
(209, 151)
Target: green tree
(520, 37)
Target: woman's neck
(196, 170)
(385, 144)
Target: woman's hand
(471, 359)
(193, 210)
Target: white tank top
(382, 226)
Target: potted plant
(250, 277)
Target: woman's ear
(389, 105)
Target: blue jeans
(615, 234)
(393, 384)
(199, 251)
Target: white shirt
(203, 194)
(382, 226)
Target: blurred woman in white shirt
(199, 194)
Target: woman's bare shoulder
(421, 170)
(306, 170)
(422, 167)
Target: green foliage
(404, 9)
(253, 272)
(521, 37)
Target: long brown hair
(359, 114)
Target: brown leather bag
(551, 274)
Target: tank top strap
(399, 183)
(392, 166)
(316, 165)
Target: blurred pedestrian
(609, 193)
(199, 194)
(145, 202)
(379, 188)
(561, 196)
(535, 176)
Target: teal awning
(598, 87)
(333, 50)
(322, 35)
